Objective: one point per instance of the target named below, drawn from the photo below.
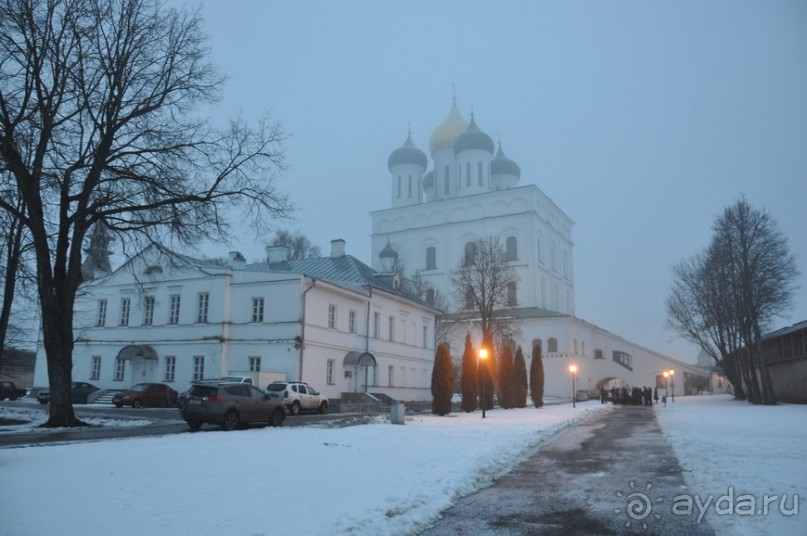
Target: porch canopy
(137, 351)
(363, 359)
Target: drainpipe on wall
(302, 329)
(367, 331)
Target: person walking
(664, 400)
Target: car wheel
(194, 425)
(231, 421)
(172, 404)
(118, 405)
(13, 398)
(295, 408)
(323, 408)
(137, 403)
(278, 416)
(43, 402)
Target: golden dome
(445, 135)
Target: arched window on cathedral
(537, 342)
(431, 258)
(410, 187)
(446, 183)
(511, 249)
(467, 174)
(479, 174)
(552, 345)
(430, 296)
(469, 298)
(512, 298)
(598, 354)
(399, 186)
(470, 254)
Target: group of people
(636, 396)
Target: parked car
(298, 396)
(146, 394)
(237, 379)
(230, 405)
(10, 391)
(79, 393)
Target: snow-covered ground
(375, 478)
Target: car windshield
(276, 387)
(203, 391)
(139, 387)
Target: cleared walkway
(613, 474)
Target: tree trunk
(58, 341)
(768, 391)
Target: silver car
(298, 396)
(230, 405)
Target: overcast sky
(642, 120)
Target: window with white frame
(255, 364)
(376, 324)
(148, 310)
(120, 368)
(170, 368)
(512, 293)
(425, 336)
(95, 371)
(204, 305)
(391, 328)
(329, 370)
(552, 345)
(511, 249)
(100, 320)
(173, 310)
(332, 316)
(257, 309)
(351, 324)
(198, 367)
(391, 376)
(125, 307)
(431, 258)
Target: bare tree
(481, 287)
(726, 297)
(101, 120)
(299, 246)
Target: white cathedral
(470, 191)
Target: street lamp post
(666, 381)
(483, 355)
(672, 381)
(573, 369)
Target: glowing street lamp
(573, 370)
(666, 380)
(483, 355)
(672, 382)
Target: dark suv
(230, 405)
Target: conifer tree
(442, 381)
(486, 376)
(506, 377)
(520, 388)
(537, 377)
(469, 382)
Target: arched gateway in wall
(143, 361)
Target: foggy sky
(642, 120)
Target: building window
(173, 314)
(467, 174)
(204, 304)
(431, 258)
(100, 320)
(332, 316)
(430, 296)
(351, 322)
(198, 367)
(479, 173)
(257, 309)
(376, 324)
(125, 307)
(512, 298)
(170, 368)
(391, 379)
(409, 191)
(446, 184)
(540, 252)
(399, 186)
(95, 372)
(391, 328)
(148, 311)
(511, 249)
(598, 354)
(552, 345)
(470, 253)
(254, 364)
(329, 368)
(120, 367)
(425, 336)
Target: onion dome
(501, 165)
(428, 180)
(444, 136)
(407, 154)
(473, 138)
(388, 252)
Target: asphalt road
(613, 474)
(164, 421)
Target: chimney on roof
(237, 260)
(275, 254)
(337, 248)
